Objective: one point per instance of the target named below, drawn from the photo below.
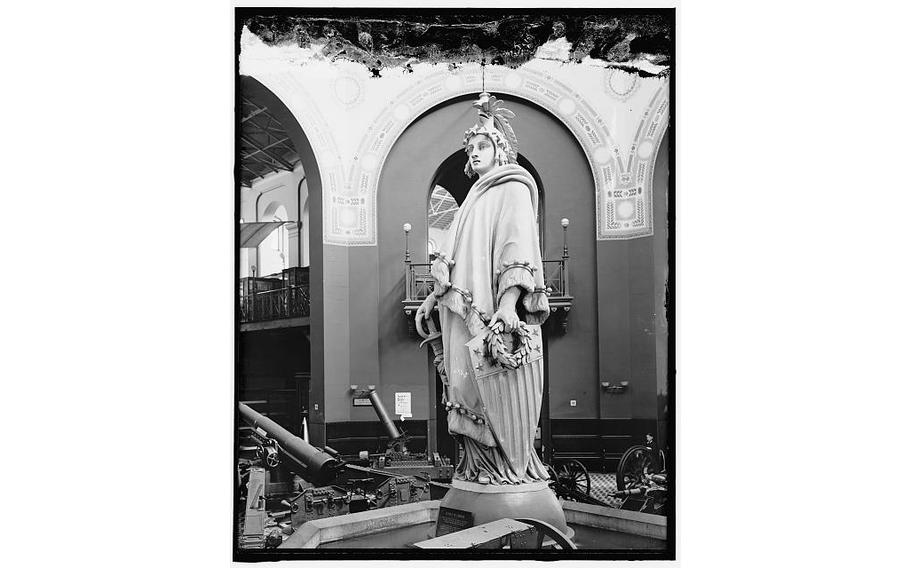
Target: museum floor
(602, 484)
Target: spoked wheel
(635, 463)
(573, 475)
(546, 530)
(554, 479)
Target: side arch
(326, 171)
(271, 92)
(273, 208)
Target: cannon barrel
(630, 492)
(384, 417)
(659, 478)
(315, 465)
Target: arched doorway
(272, 357)
(447, 192)
(449, 188)
(429, 153)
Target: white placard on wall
(403, 404)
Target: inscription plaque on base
(453, 520)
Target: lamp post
(565, 255)
(407, 265)
(407, 251)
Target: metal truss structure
(265, 147)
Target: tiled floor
(602, 484)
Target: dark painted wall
(271, 374)
(403, 197)
(632, 319)
(634, 343)
(274, 353)
(568, 192)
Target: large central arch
(411, 167)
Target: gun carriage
(642, 480)
(397, 458)
(322, 483)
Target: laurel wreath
(497, 348)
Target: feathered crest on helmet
(494, 122)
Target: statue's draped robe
(493, 242)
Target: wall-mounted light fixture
(613, 388)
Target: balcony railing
(556, 277)
(418, 282)
(280, 303)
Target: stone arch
(619, 180)
(305, 231)
(272, 91)
(632, 188)
(326, 173)
(312, 154)
(273, 208)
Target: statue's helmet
(493, 122)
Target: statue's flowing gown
(494, 244)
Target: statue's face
(481, 153)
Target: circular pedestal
(494, 502)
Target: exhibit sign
(403, 404)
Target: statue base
(494, 502)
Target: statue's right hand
(440, 272)
(425, 310)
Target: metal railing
(556, 277)
(288, 302)
(418, 283)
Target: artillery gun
(272, 441)
(642, 480)
(323, 484)
(397, 458)
(646, 498)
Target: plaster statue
(490, 290)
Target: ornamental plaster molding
(289, 87)
(622, 165)
(622, 180)
(625, 209)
